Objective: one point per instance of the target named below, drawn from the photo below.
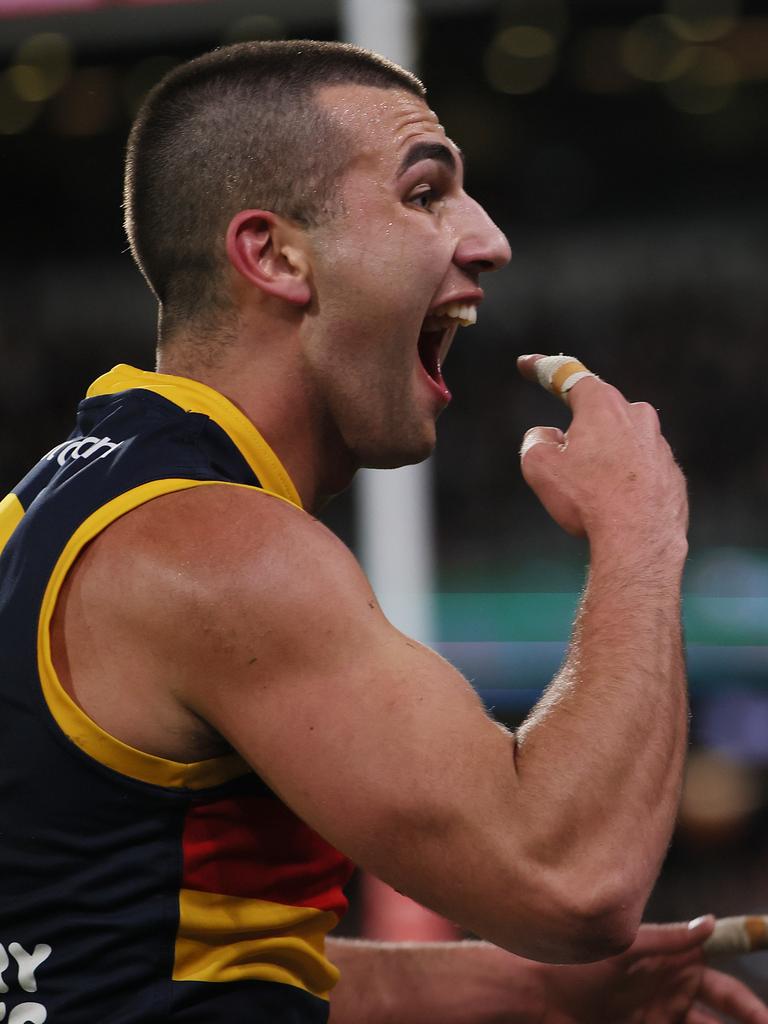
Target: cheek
(378, 278)
(396, 246)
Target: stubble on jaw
(367, 255)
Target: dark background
(625, 156)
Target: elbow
(598, 935)
(575, 921)
(599, 921)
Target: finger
(673, 938)
(696, 1015)
(644, 412)
(526, 366)
(556, 374)
(738, 935)
(540, 456)
(727, 995)
(541, 435)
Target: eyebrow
(428, 151)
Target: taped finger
(558, 374)
(738, 935)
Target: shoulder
(217, 560)
(227, 531)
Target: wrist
(513, 990)
(654, 556)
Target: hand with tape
(663, 977)
(611, 474)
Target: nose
(482, 244)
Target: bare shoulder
(231, 592)
(153, 606)
(220, 551)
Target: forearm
(556, 852)
(435, 983)
(603, 751)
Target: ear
(267, 251)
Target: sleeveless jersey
(134, 889)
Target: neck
(279, 402)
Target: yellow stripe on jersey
(193, 396)
(11, 514)
(230, 938)
(72, 720)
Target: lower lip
(439, 390)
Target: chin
(390, 456)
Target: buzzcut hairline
(238, 128)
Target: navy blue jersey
(134, 889)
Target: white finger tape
(558, 374)
(738, 935)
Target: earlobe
(261, 249)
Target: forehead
(383, 122)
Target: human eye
(425, 197)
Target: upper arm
(240, 610)
(279, 643)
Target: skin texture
(377, 286)
(332, 316)
(265, 633)
(242, 622)
(661, 979)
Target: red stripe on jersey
(254, 846)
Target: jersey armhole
(82, 730)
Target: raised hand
(611, 474)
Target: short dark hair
(234, 129)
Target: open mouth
(437, 334)
(431, 344)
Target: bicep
(259, 622)
(369, 736)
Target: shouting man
(206, 717)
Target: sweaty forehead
(384, 122)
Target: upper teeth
(465, 313)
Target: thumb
(541, 435)
(540, 456)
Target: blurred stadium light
(116, 23)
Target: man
(203, 702)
